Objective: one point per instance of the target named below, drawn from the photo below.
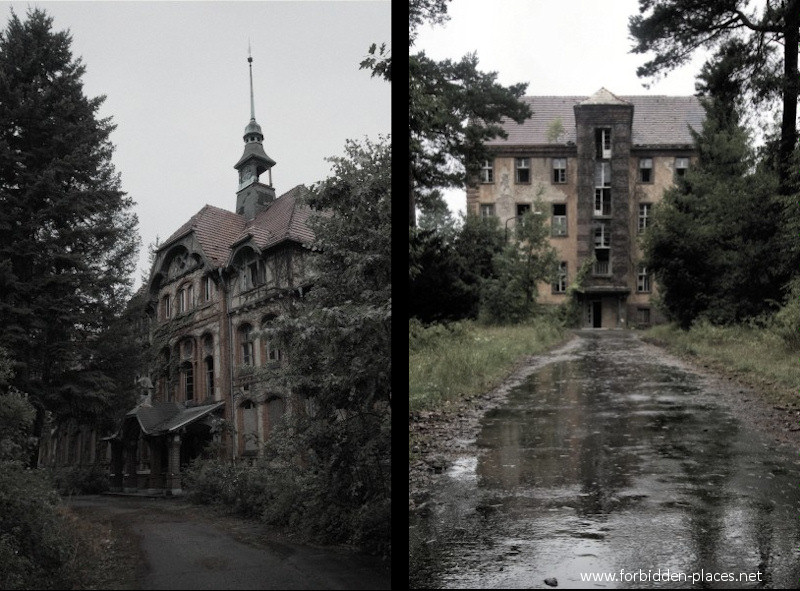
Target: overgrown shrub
(80, 480)
(293, 487)
(786, 321)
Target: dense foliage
(67, 234)
(526, 260)
(327, 470)
(713, 232)
(761, 44)
(452, 262)
(453, 108)
(36, 544)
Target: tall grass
(759, 356)
(462, 359)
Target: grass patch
(757, 356)
(463, 359)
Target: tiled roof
(162, 417)
(604, 97)
(657, 120)
(284, 219)
(218, 229)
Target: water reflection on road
(612, 458)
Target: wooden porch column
(117, 465)
(174, 465)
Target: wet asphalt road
(613, 459)
(182, 551)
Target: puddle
(610, 458)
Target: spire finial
(250, 65)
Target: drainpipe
(227, 313)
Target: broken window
(559, 170)
(602, 201)
(558, 224)
(523, 208)
(602, 265)
(487, 210)
(602, 141)
(523, 170)
(602, 245)
(681, 164)
(646, 170)
(602, 174)
(487, 172)
(644, 216)
(643, 280)
(560, 285)
(246, 344)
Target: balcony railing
(602, 268)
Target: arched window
(246, 344)
(187, 368)
(270, 351)
(209, 367)
(208, 288)
(275, 410)
(166, 311)
(187, 379)
(249, 427)
(185, 298)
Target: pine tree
(68, 237)
(712, 234)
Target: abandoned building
(215, 287)
(597, 165)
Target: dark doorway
(597, 314)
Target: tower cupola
(253, 195)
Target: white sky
(176, 80)
(559, 47)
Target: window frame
(519, 167)
(483, 213)
(644, 220)
(602, 140)
(560, 285)
(682, 168)
(559, 176)
(487, 172)
(558, 222)
(643, 283)
(651, 170)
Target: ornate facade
(216, 285)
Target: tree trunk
(790, 92)
(412, 206)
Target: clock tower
(253, 196)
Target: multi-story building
(216, 286)
(597, 165)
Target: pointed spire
(250, 64)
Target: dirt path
(169, 544)
(436, 437)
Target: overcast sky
(176, 80)
(559, 47)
